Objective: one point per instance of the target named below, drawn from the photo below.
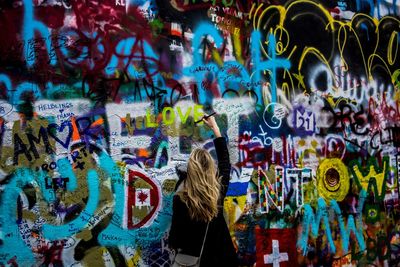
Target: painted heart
(60, 129)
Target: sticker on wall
(333, 179)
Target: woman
(198, 203)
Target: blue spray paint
(84, 54)
(114, 234)
(199, 68)
(271, 64)
(310, 220)
(7, 82)
(114, 229)
(54, 90)
(48, 193)
(135, 50)
(351, 227)
(142, 52)
(163, 145)
(394, 5)
(124, 48)
(30, 26)
(15, 97)
(64, 51)
(13, 245)
(360, 4)
(54, 232)
(237, 189)
(65, 170)
(233, 81)
(135, 2)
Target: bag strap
(204, 241)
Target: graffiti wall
(98, 104)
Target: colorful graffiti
(99, 102)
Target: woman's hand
(210, 122)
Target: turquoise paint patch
(54, 232)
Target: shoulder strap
(204, 241)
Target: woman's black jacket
(188, 235)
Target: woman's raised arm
(221, 148)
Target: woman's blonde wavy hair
(201, 188)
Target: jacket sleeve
(224, 165)
(174, 237)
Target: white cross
(275, 258)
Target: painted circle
(333, 179)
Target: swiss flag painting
(276, 247)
